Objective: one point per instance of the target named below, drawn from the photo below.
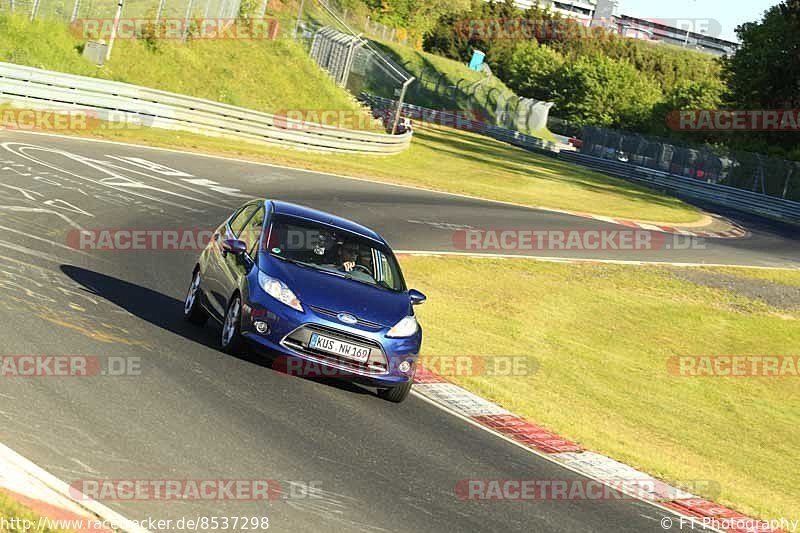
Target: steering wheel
(366, 270)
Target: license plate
(344, 349)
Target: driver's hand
(349, 266)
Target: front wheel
(231, 339)
(396, 394)
(192, 310)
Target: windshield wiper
(377, 284)
(313, 266)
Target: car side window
(239, 221)
(252, 230)
(384, 269)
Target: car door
(232, 267)
(215, 283)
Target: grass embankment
(602, 336)
(269, 76)
(10, 510)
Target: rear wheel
(396, 394)
(192, 310)
(231, 339)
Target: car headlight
(279, 290)
(405, 328)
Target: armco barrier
(682, 186)
(441, 117)
(36, 88)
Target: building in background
(699, 34)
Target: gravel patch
(777, 295)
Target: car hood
(341, 295)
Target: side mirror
(416, 297)
(233, 246)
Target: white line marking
(317, 172)
(62, 490)
(125, 185)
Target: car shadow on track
(166, 312)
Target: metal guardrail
(36, 88)
(682, 186)
(442, 118)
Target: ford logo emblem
(347, 318)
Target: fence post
(400, 104)
(758, 176)
(788, 179)
(114, 29)
(75, 11)
(299, 18)
(189, 6)
(35, 9)
(160, 10)
(263, 9)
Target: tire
(192, 310)
(396, 394)
(231, 338)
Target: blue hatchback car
(323, 293)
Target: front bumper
(290, 331)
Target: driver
(347, 256)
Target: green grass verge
(602, 336)
(9, 510)
(457, 162)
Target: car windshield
(334, 251)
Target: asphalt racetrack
(196, 413)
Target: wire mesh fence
(495, 104)
(363, 23)
(744, 170)
(376, 69)
(92, 13)
(352, 61)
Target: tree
(604, 92)
(765, 70)
(687, 95)
(531, 69)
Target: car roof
(286, 208)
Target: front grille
(361, 322)
(299, 339)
